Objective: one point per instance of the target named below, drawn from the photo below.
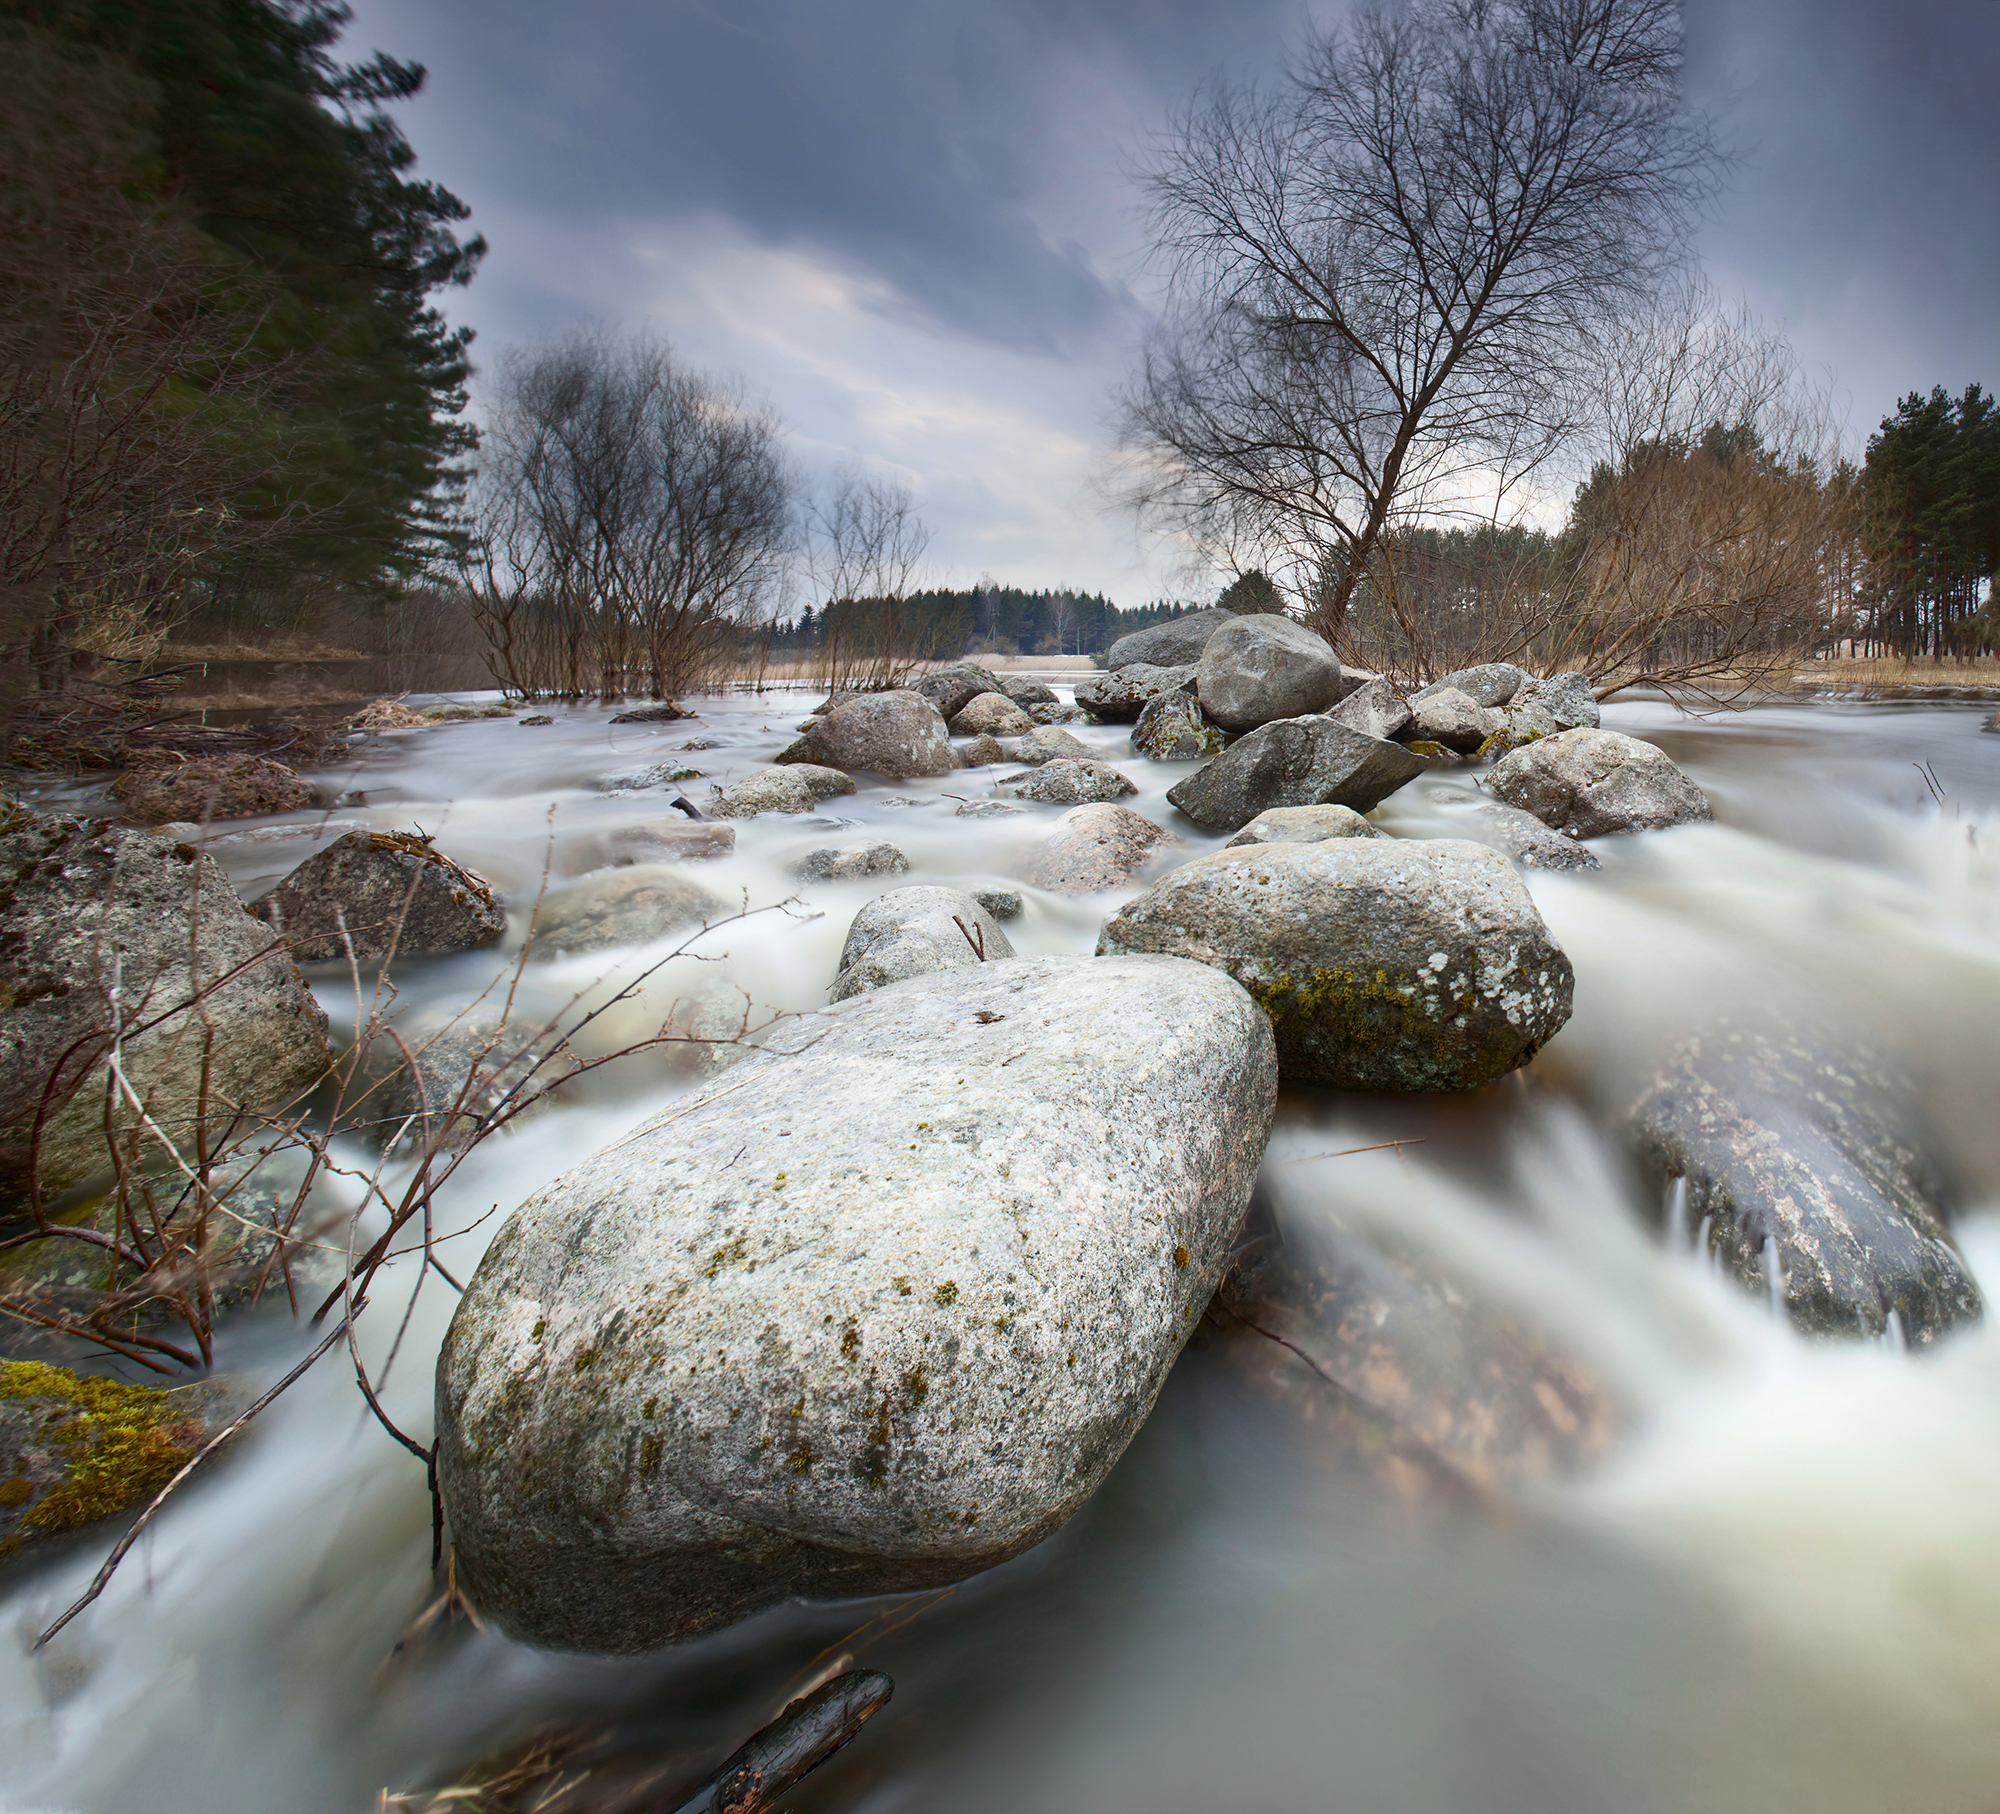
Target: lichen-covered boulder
(796, 788)
(1120, 696)
(1384, 963)
(1313, 761)
(1520, 725)
(879, 1311)
(1304, 825)
(1568, 698)
(849, 862)
(92, 908)
(75, 1448)
(1179, 642)
(206, 788)
(1059, 712)
(1374, 708)
(951, 689)
(632, 905)
(1097, 846)
(990, 714)
(1173, 728)
(1803, 1165)
(1456, 720)
(1065, 781)
(1593, 784)
(1491, 683)
(900, 734)
(381, 892)
(913, 932)
(1261, 668)
(1050, 743)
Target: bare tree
(865, 549)
(631, 519)
(1381, 273)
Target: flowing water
(1779, 1588)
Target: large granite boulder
(1303, 825)
(1374, 708)
(1456, 720)
(381, 893)
(1095, 847)
(990, 714)
(1174, 644)
(1120, 696)
(628, 906)
(95, 908)
(1174, 728)
(900, 734)
(206, 788)
(913, 932)
(797, 788)
(1591, 784)
(879, 1311)
(1261, 668)
(951, 689)
(1314, 761)
(1067, 782)
(1802, 1165)
(1568, 698)
(1491, 683)
(1384, 963)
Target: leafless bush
(865, 545)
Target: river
(1778, 1589)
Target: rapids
(1779, 1590)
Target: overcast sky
(910, 225)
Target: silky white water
(1780, 1589)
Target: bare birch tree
(1380, 274)
(865, 550)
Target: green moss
(801, 1459)
(1180, 1259)
(119, 1444)
(946, 1294)
(649, 1456)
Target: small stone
(538, 718)
(666, 712)
(1066, 782)
(1059, 713)
(1048, 743)
(984, 751)
(673, 840)
(1096, 847)
(851, 861)
(912, 932)
(796, 788)
(1002, 903)
(644, 780)
(1304, 825)
(986, 809)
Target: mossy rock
(76, 1448)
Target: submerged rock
(912, 932)
(1804, 1167)
(900, 734)
(852, 860)
(628, 906)
(381, 892)
(1525, 839)
(1591, 784)
(206, 788)
(673, 840)
(462, 1066)
(878, 1312)
(92, 907)
(1119, 697)
(797, 788)
(1065, 781)
(1172, 727)
(1261, 668)
(991, 714)
(1313, 761)
(1384, 963)
(1179, 642)
(1097, 846)
(1374, 708)
(665, 712)
(1304, 825)
(644, 780)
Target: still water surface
(1779, 1589)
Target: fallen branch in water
(796, 1743)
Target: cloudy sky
(911, 227)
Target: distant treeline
(999, 620)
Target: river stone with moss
(388, 893)
(875, 1312)
(74, 1448)
(1384, 963)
